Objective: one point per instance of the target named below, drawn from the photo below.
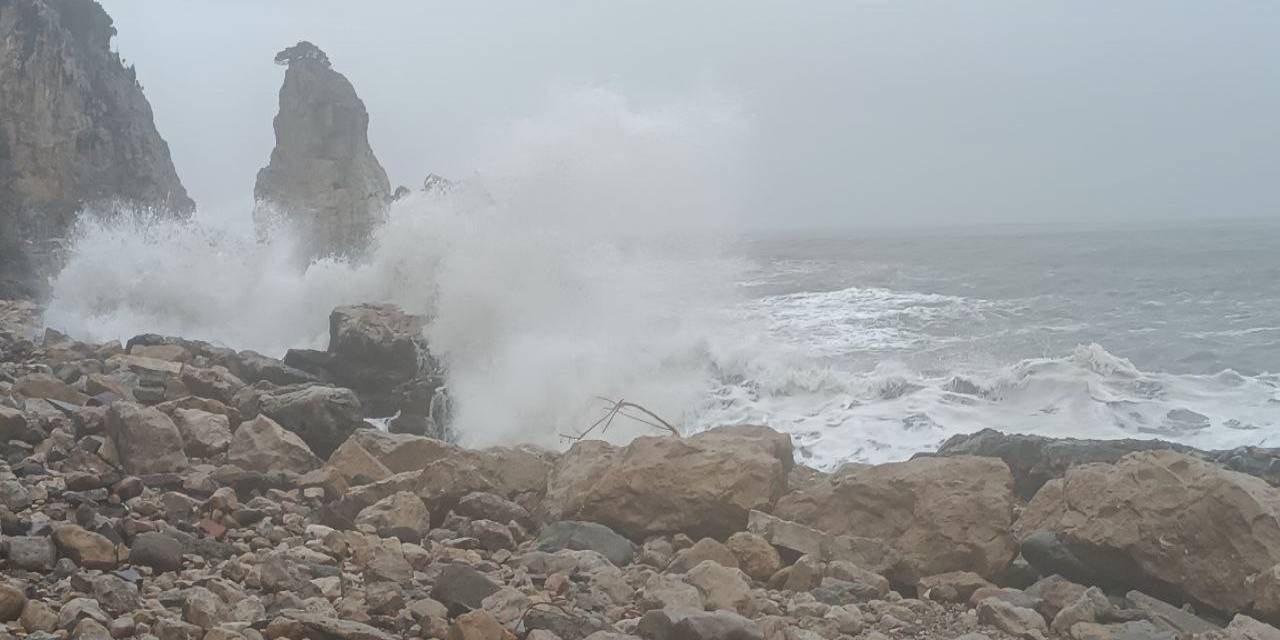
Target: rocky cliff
(323, 179)
(75, 131)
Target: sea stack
(75, 132)
(323, 180)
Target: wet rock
(703, 485)
(146, 439)
(1034, 460)
(263, 445)
(586, 536)
(1165, 523)
(939, 514)
(375, 348)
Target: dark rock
(115, 595)
(324, 417)
(462, 588)
(1046, 552)
(1035, 460)
(488, 506)
(586, 536)
(156, 550)
(33, 553)
(562, 623)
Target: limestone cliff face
(323, 179)
(75, 131)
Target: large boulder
(1165, 523)
(703, 485)
(264, 446)
(145, 439)
(939, 514)
(375, 344)
(324, 417)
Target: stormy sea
(594, 254)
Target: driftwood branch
(627, 410)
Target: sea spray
(582, 260)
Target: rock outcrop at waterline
(75, 131)
(323, 181)
(144, 494)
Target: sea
(599, 252)
(1120, 331)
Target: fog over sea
(594, 253)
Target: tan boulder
(939, 514)
(352, 461)
(704, 549)
(204, 434)
(43, 385)
(145, 439)
(703, 485)
(1164, 522)
(262, 445)
(86, 548)
(400, 511)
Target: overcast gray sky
(860, 112)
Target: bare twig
(617, 408)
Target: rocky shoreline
(173, 489)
